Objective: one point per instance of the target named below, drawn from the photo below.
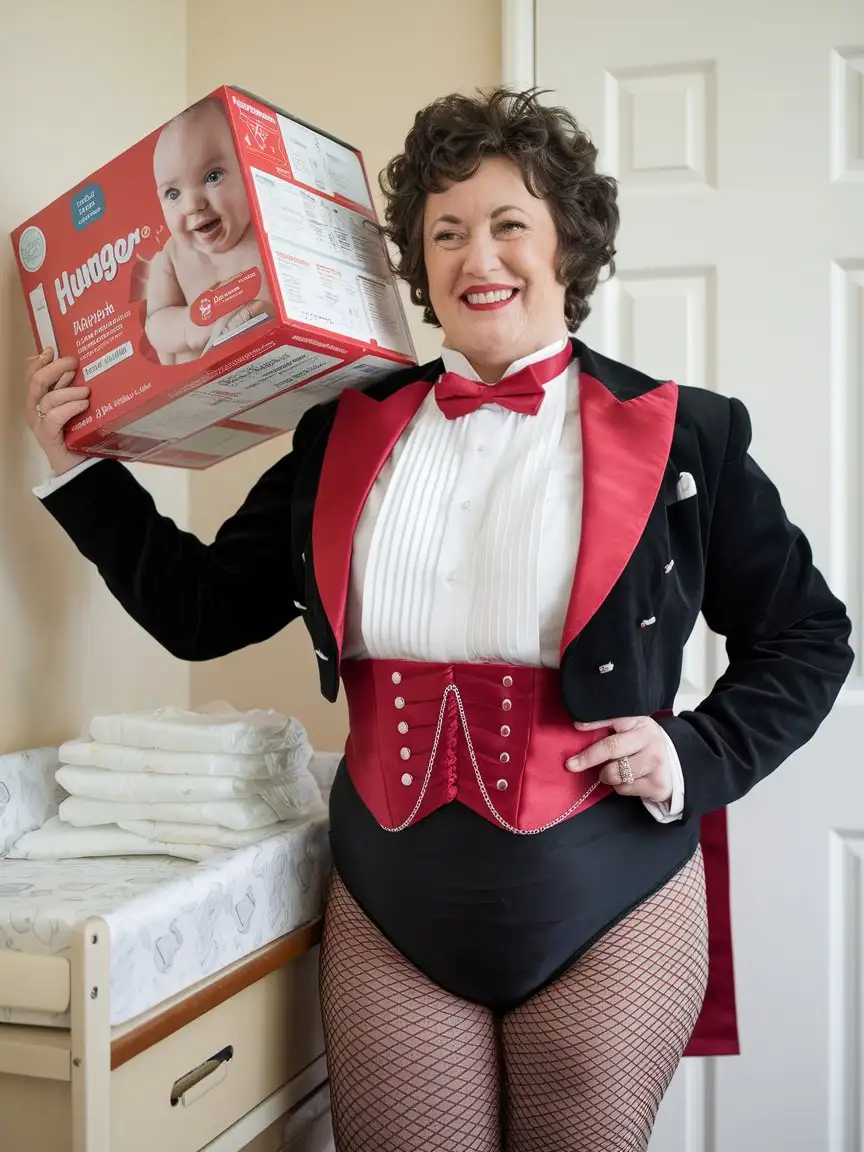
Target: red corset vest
(495, 737)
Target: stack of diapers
(181, 783)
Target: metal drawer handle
(181, 1092)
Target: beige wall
(353, 68)
(77, 85)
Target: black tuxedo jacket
(651, 559)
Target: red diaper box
(215, 280)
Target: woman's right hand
(52, 403)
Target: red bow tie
(522, 392)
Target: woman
(515, 945)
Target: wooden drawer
(317, 1137)
(35, 1115)
(305, 1127)
(35, 1101)
(272, 1030)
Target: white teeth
(490, 297)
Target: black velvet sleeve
(787, 639)
(198, 600)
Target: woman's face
(490, 249)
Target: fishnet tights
(589, 1058)
(580, 1067)
(412, 1067)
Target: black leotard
(492, 916)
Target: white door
(736, 130)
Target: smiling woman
(500, 556)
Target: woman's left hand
(639, 743)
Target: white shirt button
(466, 504)
(407, 779)
(396, 677)
(505, 730)
(399, 702)
(481, 449)
(405, 753)
(403, 727)
(450, 578)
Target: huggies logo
(102, 265)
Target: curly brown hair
(447, 143)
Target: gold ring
(40, 412)
(625, 772)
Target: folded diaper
(281, 802)
(323, 767)
(57, 840)
(252, 812)
(296, 788)
(219, 728)
(206, 833)
(117, 758)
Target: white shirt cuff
(667, 811)
(54, 482)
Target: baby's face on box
(199, 183)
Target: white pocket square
(686, 486)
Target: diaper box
(215, 281)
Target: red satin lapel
(362, 437)
(625, 447)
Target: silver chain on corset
(510, 828)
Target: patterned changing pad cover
(172, 922)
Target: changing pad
(172, 922)
(29, 794)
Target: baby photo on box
(208, 280)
